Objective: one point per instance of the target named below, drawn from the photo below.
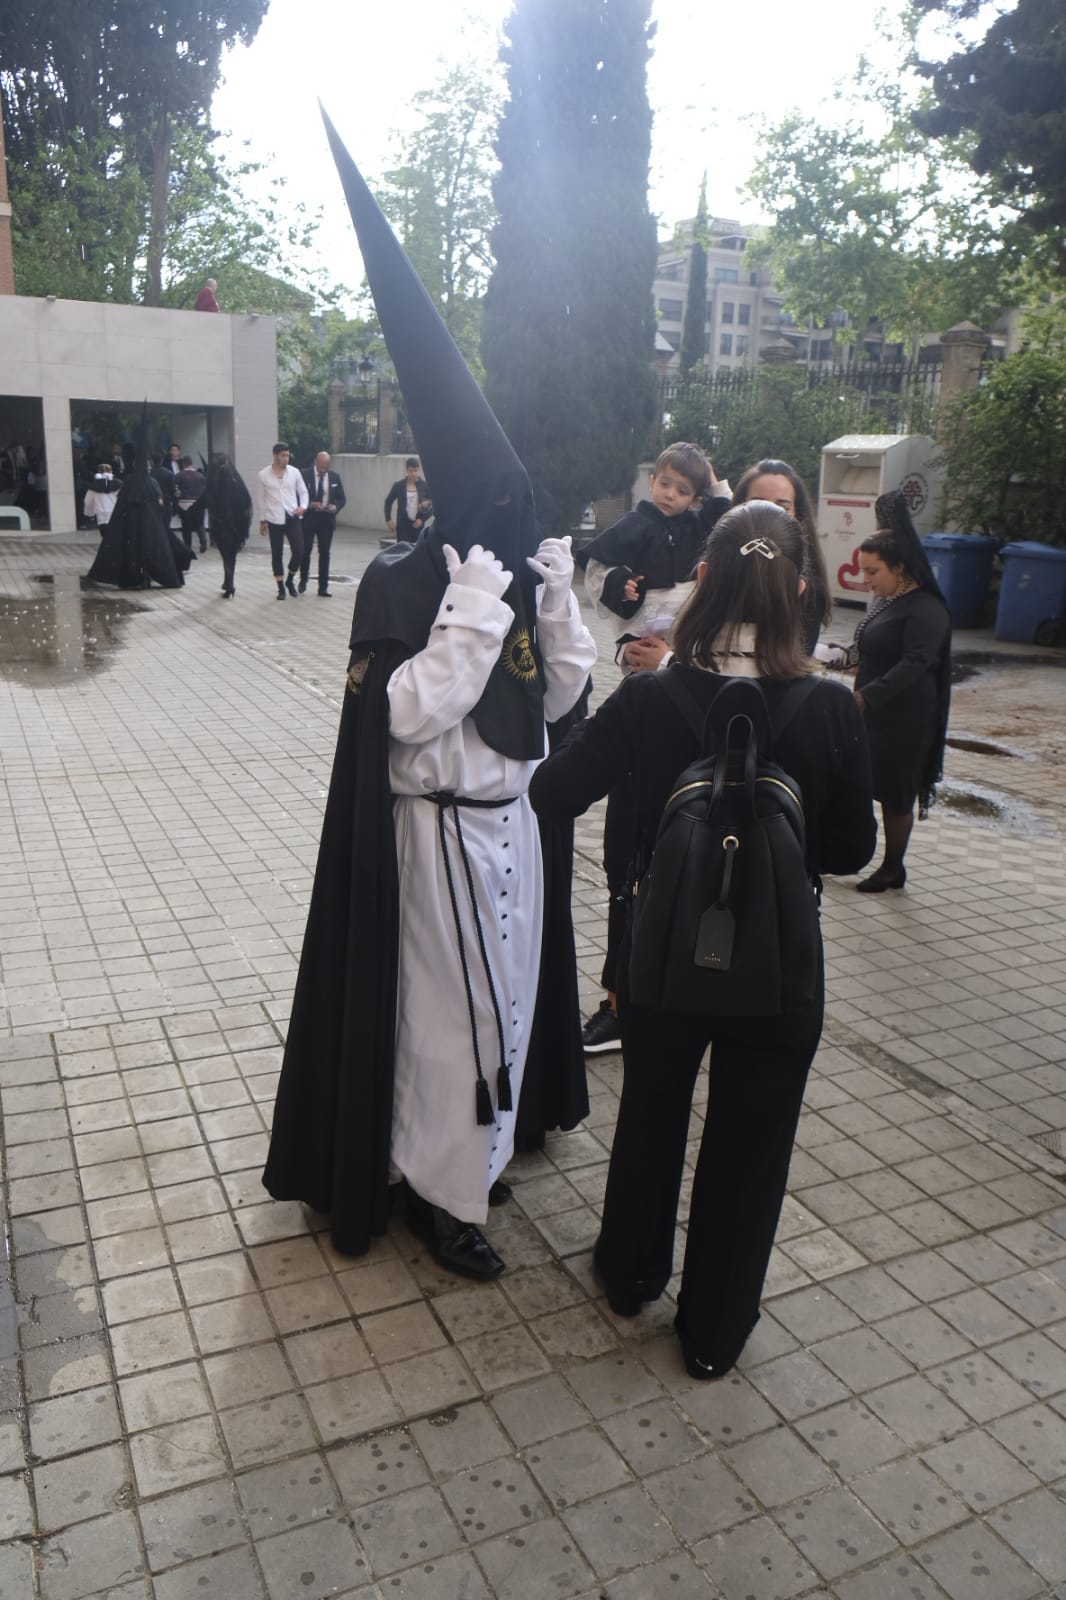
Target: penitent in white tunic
(437, 1143)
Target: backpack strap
(696, 717)
(685, 702)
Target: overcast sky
(715, 72)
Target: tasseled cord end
(484, 1105)
(503, 1089)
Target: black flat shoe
(627, 1302)
(303, 588)
(880, 880)
(703, 1365)
(281, 591)
(290, 584)
(458, 1246)
(500, 1193)
(324, 594)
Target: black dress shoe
(303, 585)
(459, 1246)
(500, 1193)
(290, 584)
(881, 880)
(324, 594)
(281, 591)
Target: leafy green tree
(569, 323)
(1005, 450)
(694, 328)
(439, 197)
(873, 220)
(1008, 93)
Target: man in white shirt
(282, 501)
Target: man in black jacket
(325, 498)
(410, 495)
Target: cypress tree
(569, 322)
(694, 328)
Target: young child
(639, 573)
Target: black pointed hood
(480, 490)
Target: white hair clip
(760, 546)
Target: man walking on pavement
(327, 497)
(282, 501)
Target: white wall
(64, 350)
(367, 480)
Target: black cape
(663, 551)
(136, 547)
(229, 509)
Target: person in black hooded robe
(418, 977)
(229, 510)
(136, 547)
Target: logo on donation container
(915, 490)
(849, 576)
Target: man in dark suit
(410, 495)
(326, 496)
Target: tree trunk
(157, 222)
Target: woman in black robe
(229, 509)
(903, 683)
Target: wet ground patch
(991, 808)
(62, 636)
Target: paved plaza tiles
(200, 1398)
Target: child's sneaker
(601, 1031)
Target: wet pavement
(198, 1397)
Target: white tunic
(437, 1143)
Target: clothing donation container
(856, 469)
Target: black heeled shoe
(881, 880)
(281, 590)
(290, 584)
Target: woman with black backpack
(661, 730)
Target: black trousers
(758, 1072)
(619, 851)
(317, 525)
(280, 531)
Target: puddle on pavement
(62, 636)
(992, 809)
(986, 747)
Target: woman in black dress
(229, 508)
(903, 682)
(781, 484)
(743, 620)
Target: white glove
(480, 571)
(554, 563)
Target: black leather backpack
(726, 915)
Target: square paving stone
(66, 1367)
(923, 1337)
(980, 1316)
(834, 1532)
(575, 1466)
(402, 1331)
(16, 1516)
(1034, 1295)
(16, 1571)
(494, 1498)
(80, 1487)
(777, 1467)
(537, 1410)
(378, 1285)
(672, 1577)
(898, 1578)
(192, 1522)
(850, 1439)
(929, 1275)
(227, 1324)
(614, 1382)
(980, 1386)
(153, 1342)
(1035, 1362)
(540, 1563)
(979, 1470)
(287, 1495)
(861, 1359)
(348, 1407)
(871, 1293)
(972, 1563)
(1037, 1436)
(267, 1429)
(918, 1412)
(75, 1422)
(1035, 1527)
(230, 1576)
(911, 1501)
(755, 1560)
(176, 1453)
(456, 1577)
(797, 1384)
(316, 1561)
(240, 1376)
(406, 1529)
(729, 1410)
(332, 1352)
(463, 1436)
(145, 1294)
(90, 1556)
(652, 1437)
(503, 1358)
(700, 1498)
(152, 1398)
(370, 1469)
(813, 1313)
(619, 1531)
(430, 1381)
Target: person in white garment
(419, 972)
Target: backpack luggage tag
(717, 927)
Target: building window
(742, 344)
(727, 310)
(744, 314)
(821, 349)
(726, 275)
(725, 345)
(671, 309)
(672, 273)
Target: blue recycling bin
(1032, 595)
(962, 566)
